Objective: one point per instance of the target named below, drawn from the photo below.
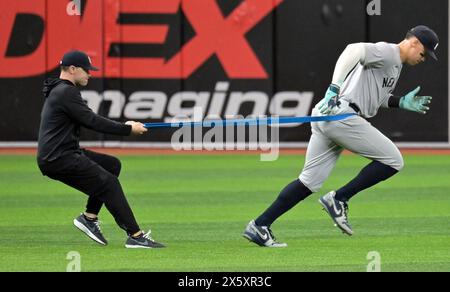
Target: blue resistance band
(250, 122)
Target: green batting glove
(413, 102)
(330, 103)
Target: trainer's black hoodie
(63, 113)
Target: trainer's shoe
(91, 228)
(337, 210)
(143, 241)
(261, 235)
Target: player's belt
(355, 107)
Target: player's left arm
(411, 102)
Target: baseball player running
(363, 81)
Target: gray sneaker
(337, 210)
(143, 241)
(90, 228)
(261, 235)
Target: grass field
(198, 205)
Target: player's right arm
(350, 57)
(76, 109)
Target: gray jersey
(371, 83)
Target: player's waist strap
(250, 122)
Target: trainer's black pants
(96, 175)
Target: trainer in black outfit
(61, 158)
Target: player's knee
(107, 180)
(116, 166)
(401, 164)
(398, 163)
(394, 160)
(312, 185)
(112, 180)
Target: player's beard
(82, 82)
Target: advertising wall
(161, 58)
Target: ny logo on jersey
(388, 82)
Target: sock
(137, 236)
(89, 219)
(370, 175)
(290, 196)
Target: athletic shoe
(143, 241)
(337, 210)
(261, 235)
(91, 228)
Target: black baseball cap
(77, 59)
(427, 37)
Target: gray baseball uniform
(368, 86)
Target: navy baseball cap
(77, 59)
(427, 37)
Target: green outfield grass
(198, 205)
